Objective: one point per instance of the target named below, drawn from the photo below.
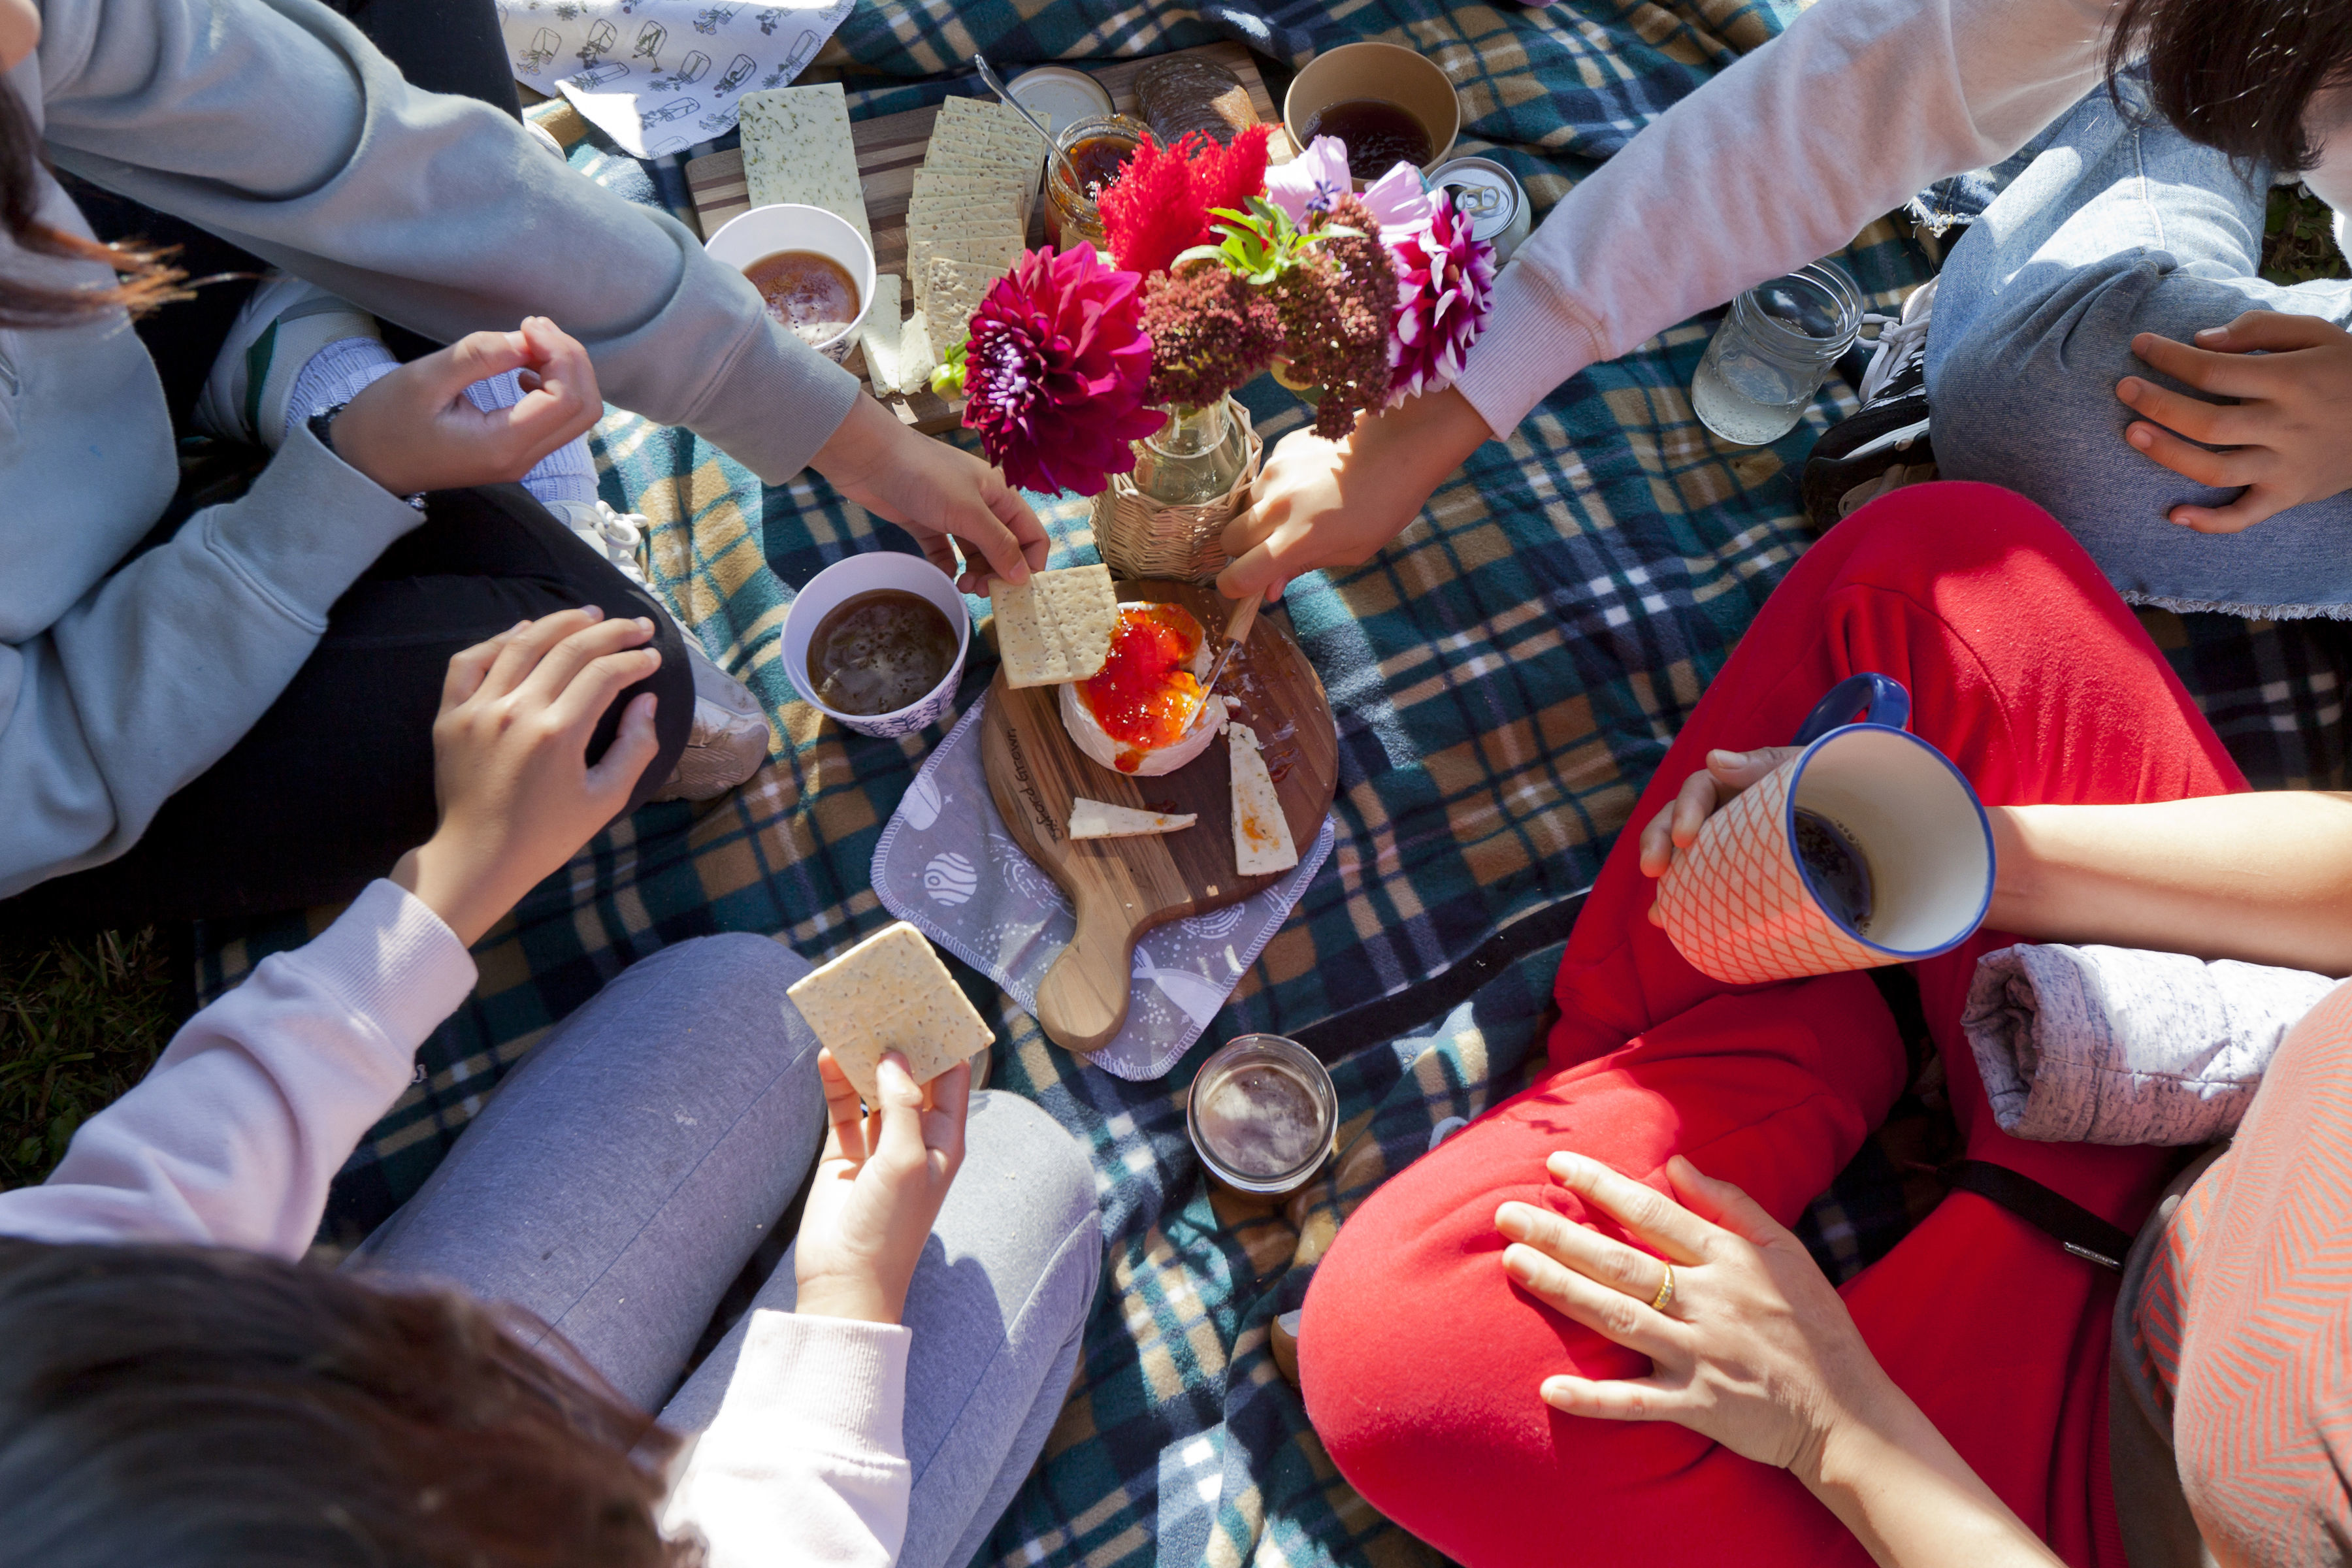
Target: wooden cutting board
(890, 149)
(1122, 888)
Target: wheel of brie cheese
(1130, 715)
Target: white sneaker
(730, 737)
(285, 322)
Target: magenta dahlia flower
(1054, 374)
(1446, 281)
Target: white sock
(336, 374)
(568, 473)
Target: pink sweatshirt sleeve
(1782, 158)
(231, 1139)
(806, 1463)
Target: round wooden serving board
(1124, 887)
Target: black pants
(335, 782)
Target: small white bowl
(788, 225)
(870, 572)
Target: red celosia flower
(1164, 200)
(1054, 374)
(1211, 332)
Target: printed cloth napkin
(946, 863)
(661, 76)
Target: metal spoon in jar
(996, 85)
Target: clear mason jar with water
(1773, 352)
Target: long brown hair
(145, 278)
(2239, 76)
(185, 1407)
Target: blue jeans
(2119, 225)
(620, 1180)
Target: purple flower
(1446, 282)
(1310, 182)
(1055, 374)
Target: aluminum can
(1496, 206)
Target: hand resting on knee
(1751, 1345)
(2288, 382)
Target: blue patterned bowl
(873, 572)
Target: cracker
(797, 148)
(890, 993)
(1100, 819)
(949, 291)
(1054, 628)
(1262, 840)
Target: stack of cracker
(966, 223)
(1056, 628)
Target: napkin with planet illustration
(946, 863)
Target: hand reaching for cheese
(935, 492)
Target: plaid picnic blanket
(1505, 676)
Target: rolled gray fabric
(2112, 1044)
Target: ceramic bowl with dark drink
(812, 267)
(877, 643)
(1389, 105)
(1867, 847)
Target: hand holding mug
(1703, 793)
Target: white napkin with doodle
(946, 863)
(659, 76)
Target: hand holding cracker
(878, 1188)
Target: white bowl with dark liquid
(784, 227)
(876, 571)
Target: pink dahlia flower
(1446, 282)
(1055, 374)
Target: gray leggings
(622, 1177)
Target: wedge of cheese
(878, 335)
(1099, 819)
(1261, 833)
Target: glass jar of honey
(1091, 152)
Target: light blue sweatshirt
(275, 125)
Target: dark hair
(186, 1407)
(145, 278)
(2239, 75)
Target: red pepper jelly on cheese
(1145, 693)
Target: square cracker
(949, 291)
(1054, 628)
(890, 993)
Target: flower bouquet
(1111, 375)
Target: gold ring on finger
(1665, 1291)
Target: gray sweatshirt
(275, 125)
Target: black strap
(2060, 1218)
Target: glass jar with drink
(1773, 352)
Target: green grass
(81, 1021)
(2299, 241)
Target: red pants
(1420, 1360)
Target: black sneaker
(1884, 445)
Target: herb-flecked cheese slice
(796, 148)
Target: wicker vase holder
(1140, 538)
